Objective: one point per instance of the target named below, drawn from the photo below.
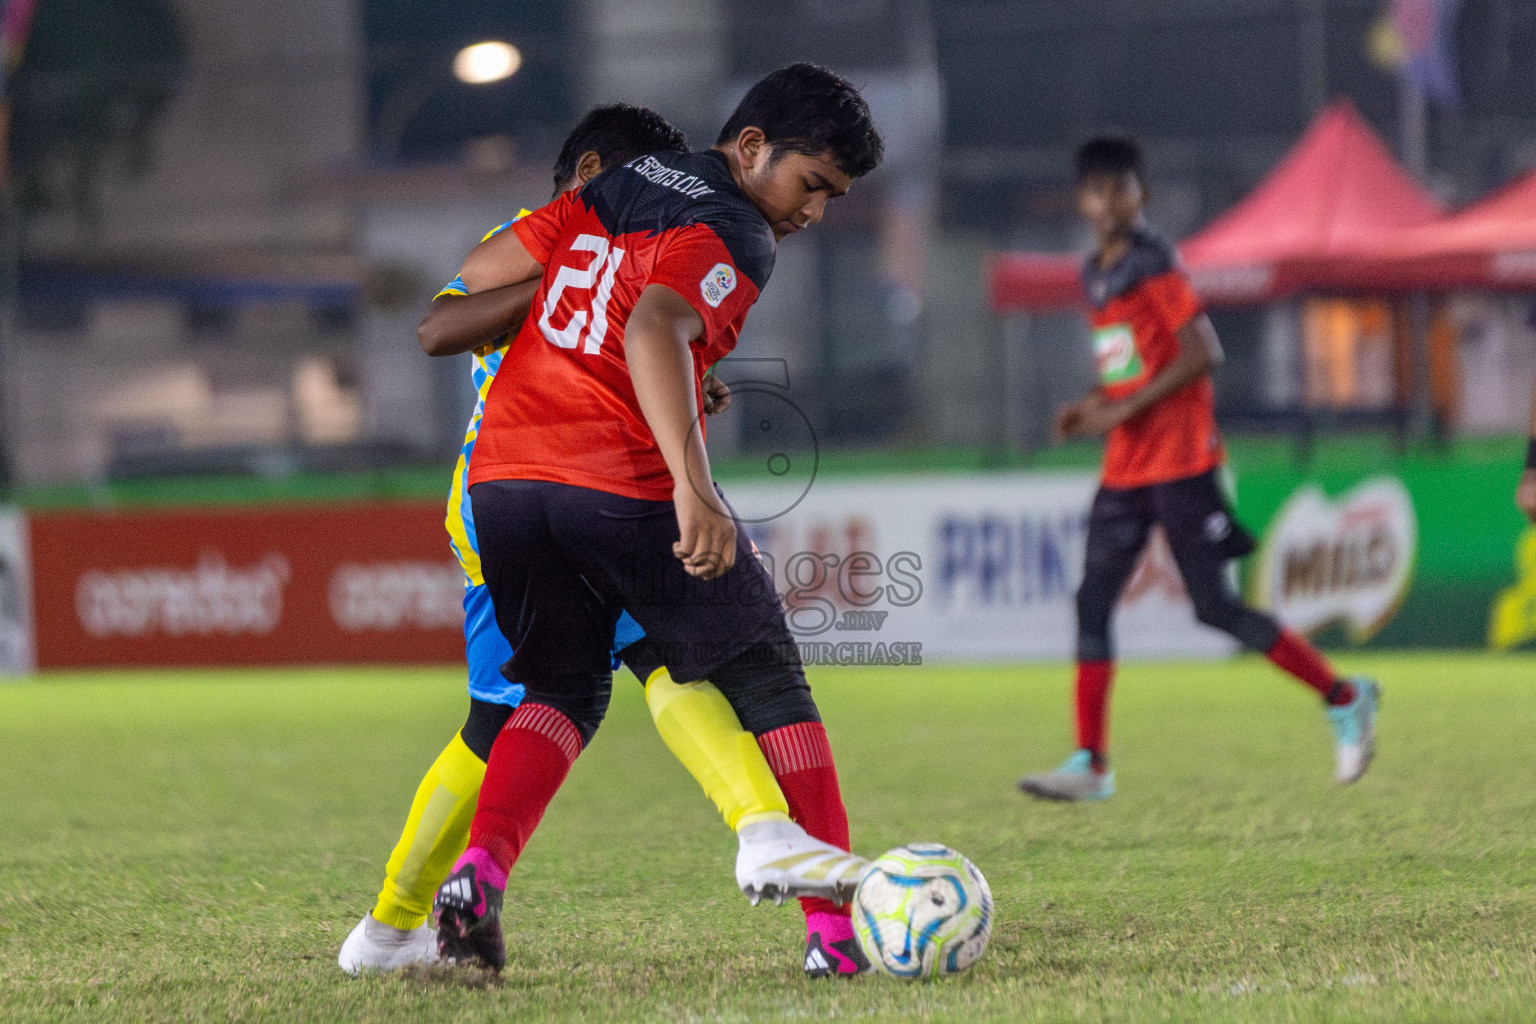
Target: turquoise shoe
(1354, 731)
(1074, 780)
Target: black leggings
(766, 687)
(481, 727)
(1203, 537)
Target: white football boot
(1075, 780)
(778, 860)
(1354, 731)
(376, 946)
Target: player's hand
(717, 396)
(1092, 414)
(1097, 415)
(706, 532)
(1065, 421)
(1525, 494)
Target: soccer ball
(921, 911)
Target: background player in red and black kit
(592, 489)
(1155, 349)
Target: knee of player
(481, 728)
(1093, 603)
(1218, 611)
(584, 702)
(767, 697)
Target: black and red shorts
(561, 561)
(1193, 512)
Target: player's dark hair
(1111, 154)
(617, 133)
(807, 109)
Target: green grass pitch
(194, 847)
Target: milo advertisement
(1416, 551)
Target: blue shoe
(1354, 730)
(1074, 780)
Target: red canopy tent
(1034, 282)
(1316, 223)
(1490, 245)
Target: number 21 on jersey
(599, 275)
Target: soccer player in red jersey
(1155, 349)
(592, 490)
(696, 721)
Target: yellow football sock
(701, 729)
(436, 832)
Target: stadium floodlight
(483, 63)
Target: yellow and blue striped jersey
(461, 518)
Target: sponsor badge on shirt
(718, 283)
(1114, 349)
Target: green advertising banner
(1413, 551)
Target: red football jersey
(1139, 305)
(563, 407)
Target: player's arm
(497, 262)
(1525, 494)
(1199, 354)
(656, 347)
(495, 287)
(464, 323)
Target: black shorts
(561, 561)
(1192, 511)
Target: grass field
(194, 846)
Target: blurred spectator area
(118, 374)
(232, 216)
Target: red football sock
(530, 759)
(801, 759)
(1292, 653)
(1093, 682)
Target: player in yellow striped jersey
(694, 719)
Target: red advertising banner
(295, 585)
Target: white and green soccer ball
(922, 911)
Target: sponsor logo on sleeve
(717, 284)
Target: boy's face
(790, 189)
(1110, 203)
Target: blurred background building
(224, 220)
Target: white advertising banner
(17, 647)
(889, 570)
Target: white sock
(777, 830)
(378, 931)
